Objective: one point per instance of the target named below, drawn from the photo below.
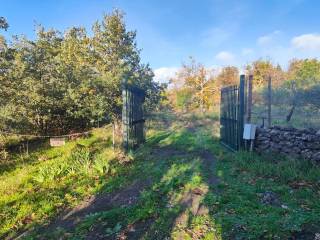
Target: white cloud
(307, 42)
(269, 38)
(164, 74)
(246, 51)
(225, 56)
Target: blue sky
(215, 32)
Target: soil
(209, 162)
(130, 195)
(124, 197)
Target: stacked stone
(300, 143)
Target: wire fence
(286, 106)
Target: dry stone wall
(290, 141)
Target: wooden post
(113, 135)
(249, 104)
(27, 148)
(269, 101)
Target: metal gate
(132, 117)
(232, 110)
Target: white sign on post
(249, 131)
(57, 141)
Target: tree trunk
(202, 99)
(294, 95)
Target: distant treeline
(197, 87)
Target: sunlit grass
(56, 178)
(171, 160)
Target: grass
(50, 179)
(246, 177)
(172, 161)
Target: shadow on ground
(173, 188)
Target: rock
(313, 145)
(289, 129)
(286, 149)
(296, 150)
(298, 143)
(306, 154)
(270, 198)
(287, 135)
(262, 138)
(304, 137)
(312, 131)
(316, 157)
(274, 132)
(310, 138)
(275, 138)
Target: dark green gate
(232, 110)
(132, 117)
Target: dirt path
(191, 200)
(129, 196)
(69, 219)
(122, 198)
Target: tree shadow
(149, 198)
(148, 186)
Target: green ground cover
(185, 186)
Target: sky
(215, 32)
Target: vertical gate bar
(249, 105)
(236, 113)
(241, 111)
(221, 114)
(235, 122)
(234, 117)
(125, 118)
(227, 111)
(131, 120)
(246, 86)
(229, 117)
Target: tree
(303, 83)
(3, 23)
(228, 76)
(58, 82)
(194, 80)
(305, 73)
(259, 69)
(116, 57)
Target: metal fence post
(125, 125)
(249, 104)
(241, 110)
(269, 100)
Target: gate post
(125, 118)
(241, 111)
(249, 104)
(132, 116)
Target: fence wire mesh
(289, 106)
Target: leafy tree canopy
(62, 82)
